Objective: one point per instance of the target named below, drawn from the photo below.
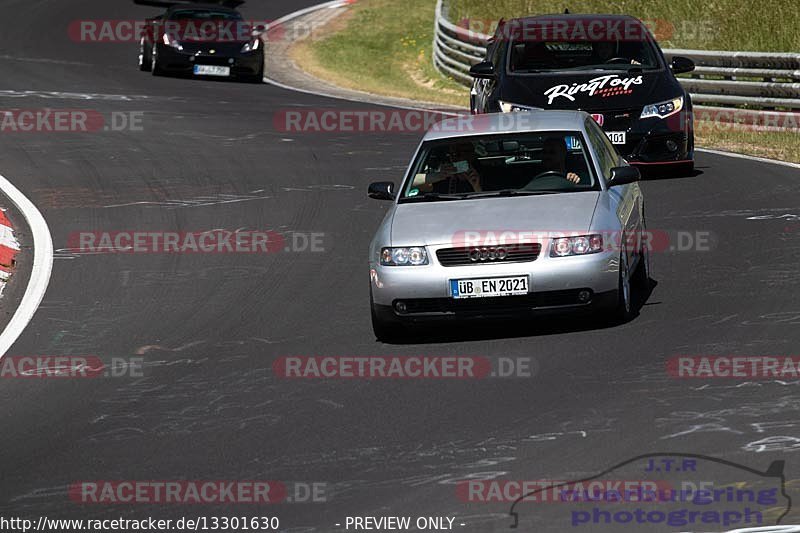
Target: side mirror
(681, 65)
(483, 70)
(381, 190)
(623, 175)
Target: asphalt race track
(210, 326)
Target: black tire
(155, 70)
(145, 57)
(686, 168)
(258, 78)
(624, 311)
(641, 277)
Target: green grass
(781, 145)
(386, 48)
(712, 25)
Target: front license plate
(488, 287)
(617, 137)
(212, 70)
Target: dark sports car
(201, 40)
(607, 65)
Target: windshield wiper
(507, 192)
(433, 196)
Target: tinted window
(551, 44)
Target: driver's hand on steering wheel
(573, 178)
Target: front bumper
(656, 140)
(423, 292)
(242, 64)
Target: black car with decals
(209, 39)
(607, 65)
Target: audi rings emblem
(488, 253)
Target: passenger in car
(457, 174)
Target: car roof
(500, 123)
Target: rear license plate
(488, 287)
(212, 70)
(617, 137)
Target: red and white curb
(9, 248)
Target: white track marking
(40, 271)
(750, 157)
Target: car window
(606, 153)
(495, 54)
(524, 163)
(537, 46)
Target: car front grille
(487, 255)
(619, 119)
(212, 60)
(224, 49)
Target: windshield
(546, 56)
(500, 165)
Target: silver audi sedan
(507, 215)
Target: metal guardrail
(754, 80)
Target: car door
(625, 200)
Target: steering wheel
(551, 179)
(548, 173)
(617, 60)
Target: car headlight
(581, 245)
(169, 41)
(508, 107)
(408, 256)
(663, 109)
(252, 46)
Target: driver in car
(607, 51)
(554, 159)
(457, 174)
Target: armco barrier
(753, 80)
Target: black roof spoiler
(170, 3)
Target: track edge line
(40, 271)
